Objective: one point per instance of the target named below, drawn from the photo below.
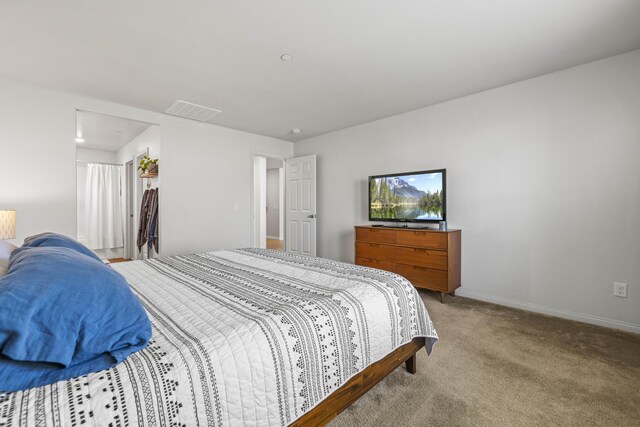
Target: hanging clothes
(148, 207)
(152, 230)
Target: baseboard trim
(594, 320)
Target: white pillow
(5, 252)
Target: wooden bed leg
(410, 364)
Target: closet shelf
(149, 175)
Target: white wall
(151, 138)
(543, 178)
(206, 169)
(91, 155)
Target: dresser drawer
(422, 277)
(422, 257)
(374, 263)
(378, 235)
(424, 239)
(376, 251)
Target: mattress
(244, 337)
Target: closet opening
(114, 216)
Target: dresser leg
(441, 297)
(453, 293)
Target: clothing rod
(98, 163)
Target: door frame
(252, 198)
(129, 225)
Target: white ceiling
(353, 61)
(109, 133)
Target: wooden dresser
(429, 259)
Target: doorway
(275, 204)
(109, 190)
(284, 204)
(268, 203)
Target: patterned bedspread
(245, 337)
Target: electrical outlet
(620, 289)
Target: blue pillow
(62, 315)
(49, 239)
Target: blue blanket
(56, 240)
(64, 314)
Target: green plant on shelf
(148, 166)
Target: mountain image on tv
(411, 197)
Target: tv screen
(412, 197)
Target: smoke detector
(192, 111)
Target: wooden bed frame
(358, 385)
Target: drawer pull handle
(419, 233)
(373, 245)
(373, 231)
(419, 250)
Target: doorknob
(312, 216)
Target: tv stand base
(422, 227)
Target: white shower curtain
(103, 208)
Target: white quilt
(246, 337)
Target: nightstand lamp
(7, 224)
(7, 231)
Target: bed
(243, 337)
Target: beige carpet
(497, 366)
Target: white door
(301, 205)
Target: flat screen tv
(409, 197)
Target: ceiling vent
(192, 111)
